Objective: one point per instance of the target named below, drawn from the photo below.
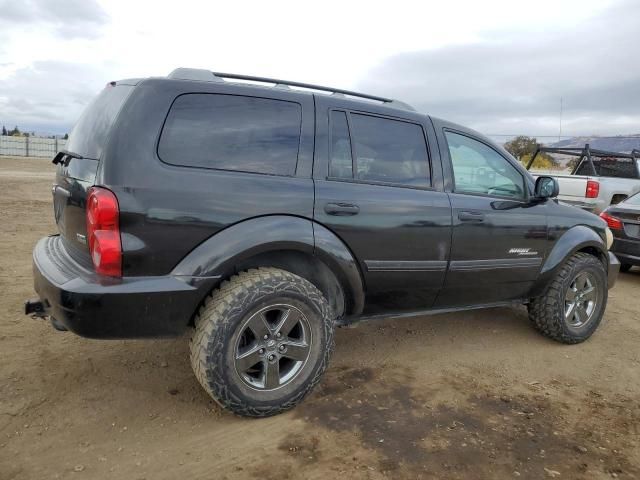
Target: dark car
(624, 221)
(261, 216)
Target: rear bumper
(627, 250)
(100, 307)
(630, 259)
(613, 270)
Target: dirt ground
(465, 395)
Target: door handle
(467, 216)
(341, 209)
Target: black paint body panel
(399, 249)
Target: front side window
(232, 132)
(479, 169)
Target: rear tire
(625, 267)
(572, 307)
(262, 341)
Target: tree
(15, 132)
(4, 130)
(543, 161)
(573, 163)
(66, 136)
(521, 146)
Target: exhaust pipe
(34, 307)
(37, 309)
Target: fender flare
(248, 238)
(575, 239)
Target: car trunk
(630, 217)
(78, 164)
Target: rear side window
(341, 164)
(386, 150)
(232, 132)
(89, 135)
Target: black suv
(260, 215)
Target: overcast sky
(493, 65)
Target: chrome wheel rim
(273, 347)
(581, 300)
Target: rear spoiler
(63, 156)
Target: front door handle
(341, 209)
(469, 216)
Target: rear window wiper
(65, 156)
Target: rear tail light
(613, 222)
(593, 189)
(103, 231)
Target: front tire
(262, 341)
(572, 307)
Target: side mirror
(547, 187)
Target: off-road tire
(221, 316)
(625, 267)
(546, 312)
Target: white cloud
(53, 53)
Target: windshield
(89, 135)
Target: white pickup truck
(598, 180)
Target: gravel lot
(468, 395)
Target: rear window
(90, 133)
(633, 200)
(232, 132)
(610, 167)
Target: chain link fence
(30, 146)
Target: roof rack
(585, 153)
(209, 76)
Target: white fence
(30, 146)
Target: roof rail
(209, 76)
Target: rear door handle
(341, 209)
(468, 216)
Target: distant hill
(623, 144)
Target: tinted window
(232, 132)
(89, 135)
(340, 165)
(390, 151)
(479, 169)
